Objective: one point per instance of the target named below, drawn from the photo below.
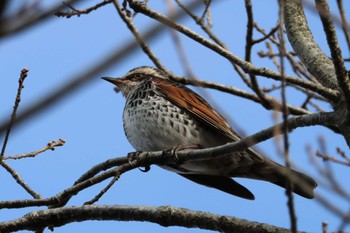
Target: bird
(160, 114)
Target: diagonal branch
(303, 43)
(246, 66)
(20, 21)
(117, 54)
(340, 71)
(92, 177)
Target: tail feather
(301, 184)
(223, 183)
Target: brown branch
(160, 158)
(128, 21)
(75, 12)
(248, 51)
(14, 174)
(235, 91)
(298, 68)
(88, 179)
(19, 21)
(246, 66)
(103, 191)
(50, 146)
(24, 73)
(338, 62)
(180, 49)
(326, 157)
(265, 35)
(305, 46)
(163, 215)
(19, 180)
(116, 55)
(289, 188)
(344, 22)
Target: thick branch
(303, 43)
(164, 215)
(158, 157)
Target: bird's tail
(275, 173)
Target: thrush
(160, 114)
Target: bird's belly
(153, 126)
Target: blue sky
(90, 118)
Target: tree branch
(117, 54)
(164, 215)
(338, 62)
(20, 21)
(303, 43)
(246, 66)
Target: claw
(133, 158)
(173, 151)
(145, 169)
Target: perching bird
(160, 114)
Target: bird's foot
(173, 151)
(133, 158)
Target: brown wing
(196, 105)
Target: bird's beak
(115, 81)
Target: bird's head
(134, 77)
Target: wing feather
(187, 99)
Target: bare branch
(128, 21)
(275, 104)
(246, 66)
(117, 55)
(289, 188)
(75, 12)
(24, 73)
(20, 21)
(163, 215)
(338, 62)
(50, 146)
(344, 24)
(19, 180)
(304, 45)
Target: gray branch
(303, 43)
(164, 215)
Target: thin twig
(103, 191)
(289, 188)
(248, 51)
(266, 35)
(19, 21)
(246, 66)
(19, 180)
(49, 146)
(235, 91)
(117, 54)
(128, 21)
(337, 59)
(24, 73)
(326, 157)
(344, 24)
(75, 12)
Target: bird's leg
(133, 158)
(174, 150)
